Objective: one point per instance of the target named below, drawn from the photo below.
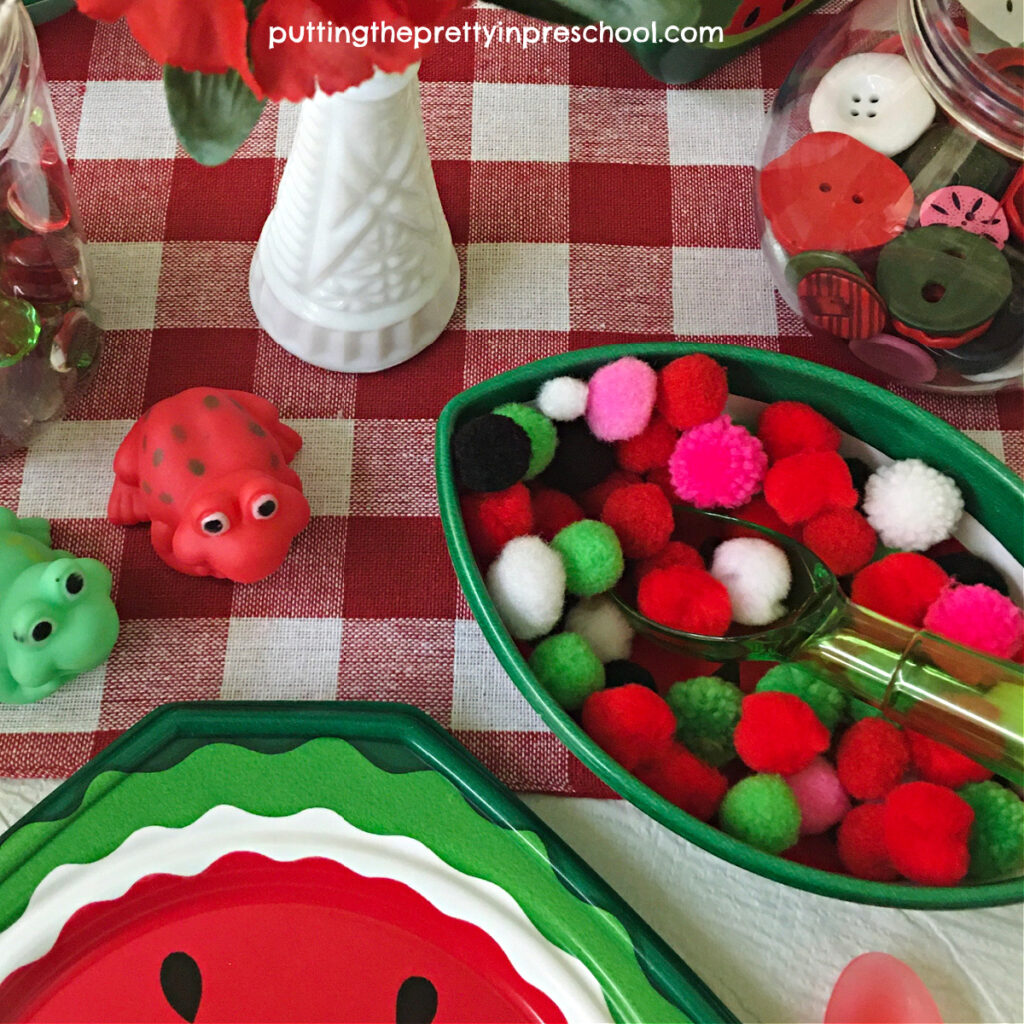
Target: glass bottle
(49, 340)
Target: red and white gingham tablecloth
(588, 203)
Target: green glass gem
(36, 117)
(19, 330)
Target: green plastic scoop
(951, 693)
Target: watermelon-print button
(804, 262)
(942, 280)
(898, 358)
(829, 191)
(841, 303)
(875, 97)
(960, 206)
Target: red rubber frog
(209, 469)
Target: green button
(814, 259)
(942, 280)
(947, 155)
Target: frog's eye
(74, 584)
(264, 507)
(215, 523)
(41, 631)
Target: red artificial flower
(208, 37)
(322, 44)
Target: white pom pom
(563, 398)
(527, 584)
(757, 575)
(911, 505)
(601, 623)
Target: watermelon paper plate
(312, 862)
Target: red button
(829, 191)
(941, 341)
(1013, 204)
(841, 303)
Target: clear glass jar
(49, 341)
(890, 191)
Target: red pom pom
(926, 830)
(691, 600)
(650, 448)
(900, 586)
(842, 538)
(778, 732)
(692, 390)
(861, 843)
(592, 500)
(553, 510)
(685, 780)
(675, 552)
(786, 428)
(935, 762)
(641, 517)
(757, 510)
(872, 758)
(661, 477)
(800, 486)
(631, 723)
(816, 852)
(492, 519)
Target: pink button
(961, 206)
(898, 358)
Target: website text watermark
(500, 34)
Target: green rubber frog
(56, 616)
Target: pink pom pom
(717, 463)
(621, 399)
(823, 801)
(977, 616)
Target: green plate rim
(385, 735)
(992, 493)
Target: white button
(876, 98)
(1003, 18)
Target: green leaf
(212, 114)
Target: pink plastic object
(876, 988)
(960, 206)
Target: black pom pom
(580, 462)
(859, 473)
(621, 673)
(491, 453)
(969, 569)
(707, 548)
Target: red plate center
(255, 940)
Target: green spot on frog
(178, 432)
(158, 456)
(196, 467)
(211, 401)
(257, 429)
(166, 498)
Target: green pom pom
(825, 700)
(539, 429)
(707, 709)
(592, 557)
(567, 668)
(996, 842)
(762, 811)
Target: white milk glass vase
(355, 268)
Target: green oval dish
(992, 494)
